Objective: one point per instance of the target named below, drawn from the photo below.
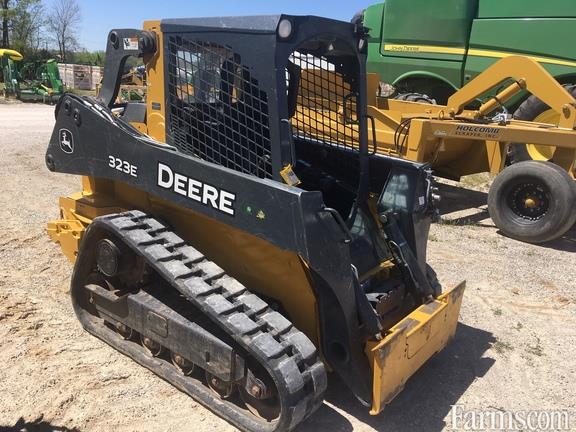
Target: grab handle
(341, 224)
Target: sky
(101, 16)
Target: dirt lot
(515, 348)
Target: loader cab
(250, 93)
(325, 124)
(283, 98)
(285, 94)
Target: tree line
(39, 33)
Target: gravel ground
(515, 348)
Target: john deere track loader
(226, 244)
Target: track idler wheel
(260, 399)
(267, 409)
(115, 261)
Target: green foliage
(40, 55)
(22, 22)
(31, 30)
(95, 58)
(132, 62)
(62, 24)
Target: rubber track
(287, 354)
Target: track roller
(222, 388)
(184, 366)
(153, 347)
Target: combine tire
(532, 201)
(416, 97)
(533, 109)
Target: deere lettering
(196, 190)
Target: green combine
(424, 49)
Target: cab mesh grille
(217, 112)
(326, 106)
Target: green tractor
(34, 81)
(41, 82)
(424, 50)
(9, 72)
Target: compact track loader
(225, 245)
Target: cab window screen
(217, 110)
(326, 105)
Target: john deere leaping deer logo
(66, 141)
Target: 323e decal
(122, 166)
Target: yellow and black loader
(236, 249)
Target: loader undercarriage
(224, 346)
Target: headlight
(285, 29)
